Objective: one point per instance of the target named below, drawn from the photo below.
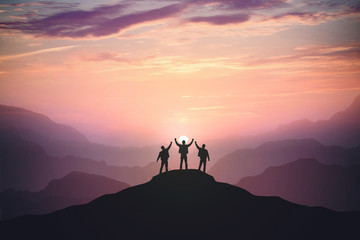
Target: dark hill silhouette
(73, 189)
(308, 182)
(26, 166)
(185, 204)
(40, 124)
(249, 162)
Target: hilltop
(185, 204)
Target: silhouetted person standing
(203, 154)
(183, 150)
(164, 156)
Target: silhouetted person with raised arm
(203, 154)
(164, 156)
(183, 150)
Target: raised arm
(190, 143)
(176, 142)
(197, 146)
(169, 146)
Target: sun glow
(183, 138)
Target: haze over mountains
(34, 150)
(309, 182)
(248, 162)
(73, 189)
(342, 129)
(26, 166)
(62, 140)
(185, 205)
(59, 140)
(40, 124)
(301, 139)
(330, 181)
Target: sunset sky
(144, 72)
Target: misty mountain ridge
(61, 140)
(341, 129)
(185, 204)
(26, 166)
(309, 182)
(73, 189)
(40, 124)
(253, 161)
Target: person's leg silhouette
(181, 162)
(162, 165)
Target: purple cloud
(222, 19)
(300, 15)
(25, 4)
(317, 16)
(42, 4)
(101, 21)
(233, 4)
(110, 19)
(237, 4)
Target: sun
(183, 138)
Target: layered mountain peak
(350, 114)
(31, 123)
(356, 103)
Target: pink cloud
(311, 54)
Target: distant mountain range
(248, 162)
(73, 189)
(61, 140)
(185, 205)
(23, 119)
(26, 166)
(308, 182)
(342, 129)
(34, 150)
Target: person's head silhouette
(183, 142)
(162, 147)
(203, 146)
